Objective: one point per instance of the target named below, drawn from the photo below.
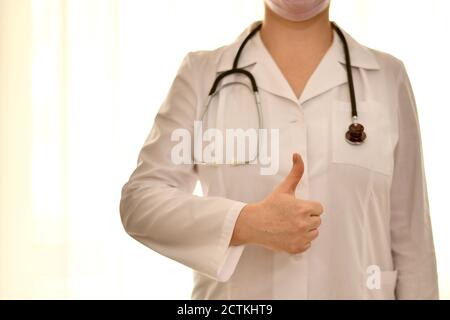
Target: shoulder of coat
(208, 60)
(388, 62)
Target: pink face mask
(297, 10)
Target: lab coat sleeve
(411, 233)
(157, 206)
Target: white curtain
(81, 82)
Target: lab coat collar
(329, 74)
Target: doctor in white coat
(335, 220)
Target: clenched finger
(315, 207)
(313, 234)
(314, 222)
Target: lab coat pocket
(376, 152)
(388, 284)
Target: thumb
(293, 178)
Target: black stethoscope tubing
(355, 134)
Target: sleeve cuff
(232, 253)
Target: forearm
(156, 216)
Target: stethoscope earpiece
(355, 134)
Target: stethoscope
(355, 134)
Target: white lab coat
(376, 210)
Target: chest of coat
(316, 131)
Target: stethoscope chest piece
(355, 134)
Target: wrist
(242, 233)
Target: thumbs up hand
(280, 222)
